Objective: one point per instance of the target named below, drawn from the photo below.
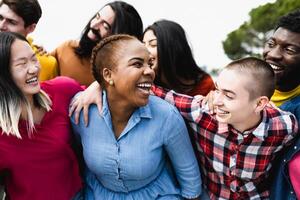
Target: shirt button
(284, 160)
(295, 147)
(292, 192)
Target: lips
(95, 32)
(32, 80)
(222, 112)
(276, 68)
(145, 86)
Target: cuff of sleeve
(191, 196)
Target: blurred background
(218, 31)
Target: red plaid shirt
(234, 165)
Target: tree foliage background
(249, 38)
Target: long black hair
(175, 59)
(127, 21)
(12, 98)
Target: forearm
(189, 107)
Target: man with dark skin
(282, 52)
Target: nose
(33, 67)
(149, 71)
(3, 26)
(218, 98)
(274, 53)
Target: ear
(107, 74)
(261, 103)
(30, 28)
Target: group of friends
(125, 113)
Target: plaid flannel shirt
(234, 165)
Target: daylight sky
(206, 22)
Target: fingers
(86, 115)
(75, 108)
(99, 105)
(210, 103)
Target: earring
(111, 82)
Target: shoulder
(280, 121)
(278, 115)
(61, 84)
(292, 106)
(157, 103)
(69, 44)
(162, 108)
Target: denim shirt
(282, 188)
(134, 166)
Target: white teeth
(222, 112)
(275, 68)
(144, 85)
(34, 79)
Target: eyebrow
(136, 58)
(23, 58)
(225, 90)
(9, 19)
(288, 43)
(107, 24)
(104, 21)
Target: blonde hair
(12, 99)
(11, 112)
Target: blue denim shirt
(134, 166)
(282, 188)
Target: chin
(142, 103)
(223, 119)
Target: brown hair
(262, 74)
(106, 53)
(29, 10)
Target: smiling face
(24, 68)
(10, 21)
(150, 42)
(101, 24)
(282, 51)
(233, 102)
(132, 75)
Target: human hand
(40, 50)
(208, 102)
(91, 95)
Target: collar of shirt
(259, 131)
(141, 112)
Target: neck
(120, 110)
(286, 87)
(24, 113)
(250, 124)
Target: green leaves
(249, 38)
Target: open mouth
(276, 68)
(145, 87)
(32, 80)
(222, 115)
(222, 112)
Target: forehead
(133, 49)
(234, 81)
(6, 12)
(107, 14)
(285, 36)
(149, 35)
(20, 49)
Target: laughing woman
(125, 148)
(36, 158)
